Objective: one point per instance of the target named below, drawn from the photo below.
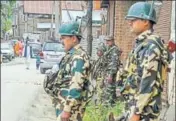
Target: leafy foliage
(101, 113)
(6, 15)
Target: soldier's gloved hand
(101, 85)
(65, 116)
(120, 83)
(109, 79)
(118, 92)
(99, 53)
(135, 117)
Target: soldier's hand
(102, 85)
(109, 79)
(135, 117)
(65, 116)
(118, 93)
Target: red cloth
(171, 46)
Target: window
(52, 46)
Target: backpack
(163, 63)
(166, 58)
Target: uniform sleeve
(150, 68)
(78, 71)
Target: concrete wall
(171, 81)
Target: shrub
(101, 113)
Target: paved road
(18, 88)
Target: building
(34, 19)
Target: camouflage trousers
(109, 94)
(99, 92)
(76, 113)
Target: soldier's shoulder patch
(78, 65)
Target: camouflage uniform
(70, 84)
(112, 61)
(98, 71)
(140, 80)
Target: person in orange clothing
(20, 47)
(17, 48)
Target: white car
(52, 53)
(7, 51)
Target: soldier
(98, 71)
(70, 85)
(141, 80)
(112, 60)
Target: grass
(101, 113)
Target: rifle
(49, 82)
(94, 69)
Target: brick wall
(122, 35)
(164, 22)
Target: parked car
(36, 48)
(52, 53)
(7, 51)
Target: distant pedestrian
(17, 48)
(38, 61)
(20, 47)
(27, 54)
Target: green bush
(101, 113)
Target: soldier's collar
(72, 50)
(144, 35)
(77, 46)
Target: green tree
(6, 15)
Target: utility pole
(58, 17)
(89, 27)
(60, 13)
(18, 20)
(26, 23)
(51, 29)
